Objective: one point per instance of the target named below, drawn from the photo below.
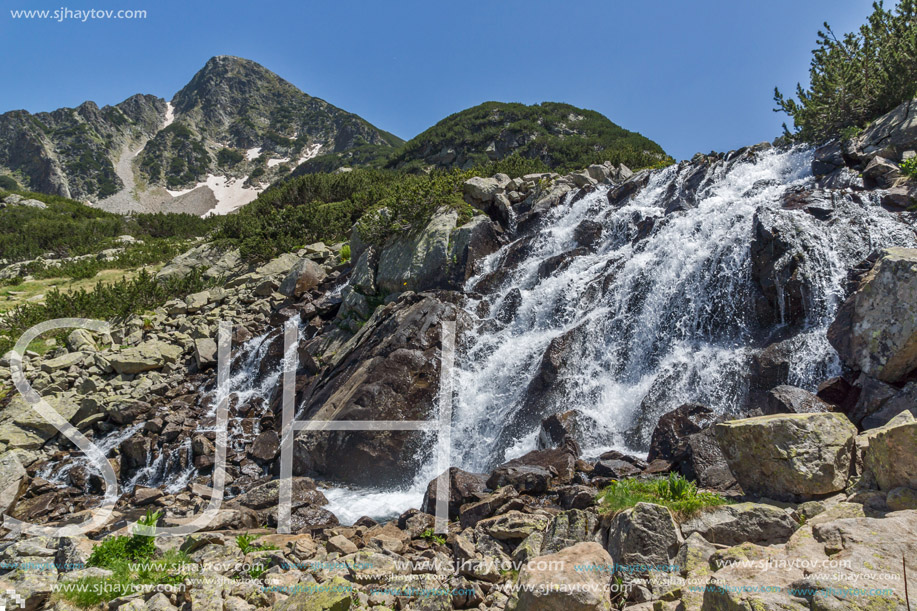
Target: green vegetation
(432, 537)
(137, 547)
(177, 153)
(345, 253)
(105, 301)
(135, 255)
(857, 77)
(565, 138)
(246, 543)
(674, 492)
(68, 228)
(324, 207)
(909, 167)
(134, 565)
(229, 157)
(8, 183)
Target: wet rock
(789, 456)
(741, 523)
(776, 266)
(827, 159)
(587, 234)
(786, 399)
(464, 488)
(559, 429)
(685, 420)
(388, 371)
(469, 244)
(267, 495)
(534, 472)
(623, 192)
(875, 330)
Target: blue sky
(694, 76)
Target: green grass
(128, 577)
(131, 558)
(675, 492)
(909, 167)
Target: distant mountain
(560, 135)
(232, 130)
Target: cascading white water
(669, 314)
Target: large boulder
(741, 523)
(536, 471)
(417, 261)
(645, 535)
(150, 355)
(464, 488)
(700, 459)
(776, 266)
(875, 330)
(785, 399)
(23, 428)
(674, 426)
(891, 455)
(468, 245)
(558, 430)
(305, 275)
(388, 371)
(573, 579)
(13, 481)
(789, 456)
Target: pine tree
(856, 78)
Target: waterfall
(659, 311)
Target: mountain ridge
(147, 154)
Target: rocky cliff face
(236, 126)
(71, 151)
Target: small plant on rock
(675, 492)
(909, 167)
(432, 537)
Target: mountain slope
(69, 151)
(232, 130)
(560, 135)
